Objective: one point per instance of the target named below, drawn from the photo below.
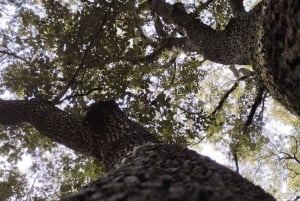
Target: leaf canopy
(80, 51)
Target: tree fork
(229, 46)
(139, 166)
(267, 37)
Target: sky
(205, 149)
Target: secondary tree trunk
(267, 37)
(139, 167)
(276, 58)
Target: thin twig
(72, 80)
(31, 188)
(80, 94)
(166, 43)
(16, 57)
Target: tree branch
(82, 62)
(226, 95)
(14, 55)
(212, 44)
(166, 43)
(52, 122)
(236, 161)
(159, 27)
(292, 156)
(105, 133)
(80, 94)
(257, 102)
(206, 4)
(237, 7)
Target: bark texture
(50, 121)
(139, 166)
(156, 172)
(277, 55)
(229, 46)
(267, 37)
(113, 133)
(104, 133)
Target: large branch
(145, 169)
(105, 133)
(230, 46)
(50, 121)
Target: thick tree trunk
(267, 37)
(156, 172)
(276, 58)
(139, 166)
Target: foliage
(80, 51)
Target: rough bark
(139, 166)
(58, 125)
(267, 37)
(229, 46)
(277, 55)
(168, 172)
(111, 142)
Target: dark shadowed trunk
(139, 167)
(277, 52)
(267, 37)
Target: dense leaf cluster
(75, 52)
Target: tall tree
(139, 166)
(73, 54)
(249, 38)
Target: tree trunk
(276, 58)
(267, 37)
(139, 167)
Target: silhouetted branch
(166, 43)
(292, 156)
(257, 102)
(237, 7)
(80, 94)
(236, 162)
(206, 4)
(14, 55)
(289, 156)
(159, 27)
(82, 62)
(226, 95)
(235, 71)
(293, 173)
(31, 188)
(175, 70)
